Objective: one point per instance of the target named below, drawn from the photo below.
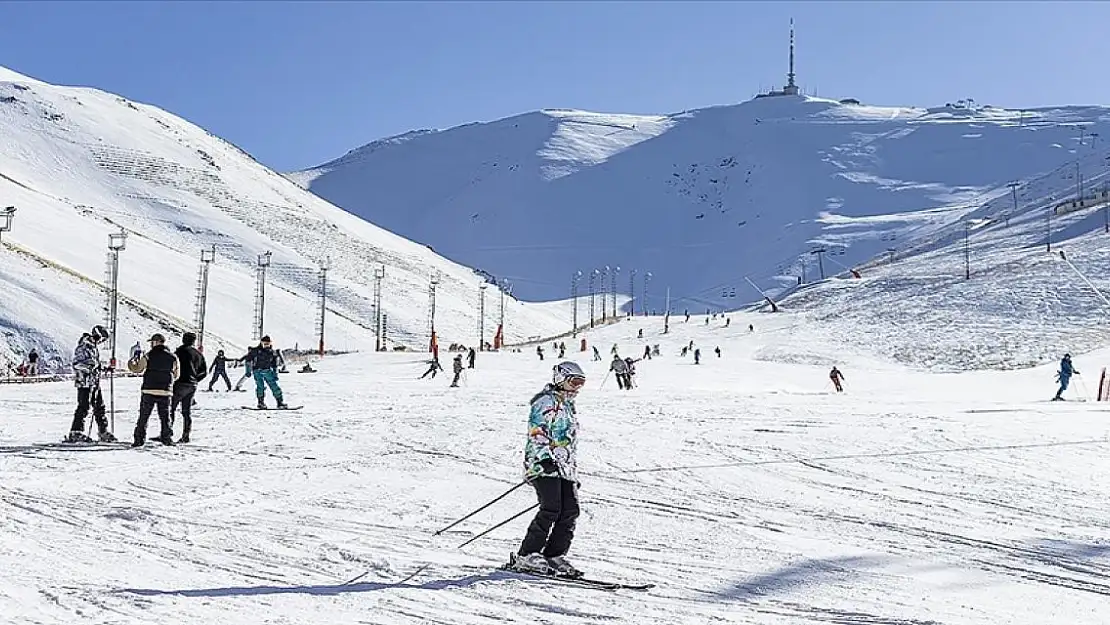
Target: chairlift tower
(574, 296)
(207, 257)
(379, 318)
(432, 312)
(482, 317)
(322, 307)
(613, 289)
(260, 296)
(631, 292)
(644, 301)
(117, 242)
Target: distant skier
(837, 377)
(457, 368)
(1064, 376)
(471, 355)
(539, 351)
(620, 371)
(160, 369)
(697, 356)
(613, 350)
(433, 368)
(640, 334)
(647, 352)
(33, 362)
(562, 350)
(86, 371)
(219, 370)
(550, 464)
(718, 350)
(597, 354)
(751, 328)
(192, 369)
(728, 321)
(655, 350)
(247, 373)
(629, 373)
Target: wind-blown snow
(80, 163)
(742, 487)
(703, 198)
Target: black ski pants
(552, 531)
(89, 398)
(455, 382)
(183, 395)
(146, 406)
(216, 375)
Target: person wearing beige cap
(160, 369)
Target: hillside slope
(700, 199)
(80, 163)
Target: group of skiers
(29, 367)
(169, 382)
(456, 366)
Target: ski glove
(549, 467)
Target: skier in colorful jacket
(550, 465)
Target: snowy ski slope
(701, 198)
(79, 163)
(742, 487)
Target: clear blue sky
(299, 83)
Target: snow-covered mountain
(79, 163)
(701, 199)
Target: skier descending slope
(550, 466)
(86, 370)
(1064, 376)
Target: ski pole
(603, 380)
(497, 499)
(505, 522)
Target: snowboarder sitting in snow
(86, 371)
(550, 466)
(160, 369)
(1064, 376)
(836, 376)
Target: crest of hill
(702, 199)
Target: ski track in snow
(742, 488)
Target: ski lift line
(891, 454)
(1084, 278)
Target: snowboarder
(160, 368)
(1064, 376)
(620, 371)
(433, 368)
(87, 370)
(192, 369)
(470, 356)
(457, 367)
(837, 377)
(697, 356)
(33, 362)
(597, 354)
(218, 370)
(550, 466)
(264, 362)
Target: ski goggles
(575, 383)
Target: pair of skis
(587, 582)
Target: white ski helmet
(565, 371)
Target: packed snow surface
(743, 487)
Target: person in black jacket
(218, 370)
(193, 370)
(160, 369)
(264, 363)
